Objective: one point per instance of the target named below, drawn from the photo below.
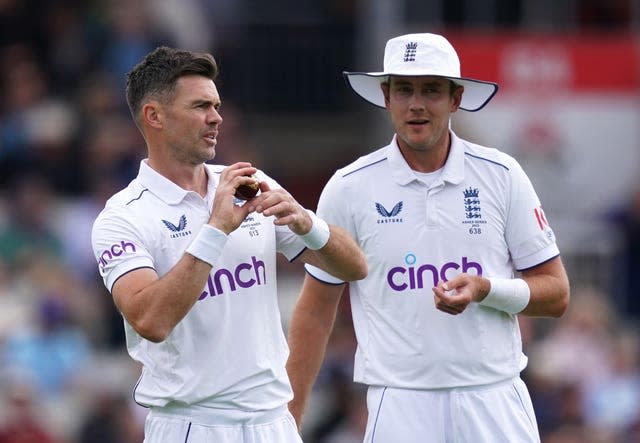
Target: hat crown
(421, 54)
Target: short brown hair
(156, 75)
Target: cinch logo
(115, 250)
(413, 276)
(244, 275)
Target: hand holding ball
(247, 192)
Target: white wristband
(208, 244)
(507, 294)
(319, 234)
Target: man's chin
(209, 155)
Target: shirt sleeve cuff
(321, 275)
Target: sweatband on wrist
(208, 244)
(319, 234)
(507, 294)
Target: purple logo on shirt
(413, 276)
(245, 275)
(115, 250)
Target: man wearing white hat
(457, 244)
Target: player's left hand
(286, 210)
(454, 296)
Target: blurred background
(568, 108)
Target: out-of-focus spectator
(112, 150)
(571, 433)
(131, 34)
(352, 427)
(612, 403)
(72, 225)
(23, 86)
(27, 234)
(71, 44)
(38, 130)
(53, 352)
(627, 222)
(602, 14)
(578, 349)
(107, 411)
(20, 422)
(21, 21)
(185, 21)
(112, 146)
(585, 373)
(110, 420)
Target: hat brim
(477, 93)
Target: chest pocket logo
(389, 216)
(472, 203)
(179, 230)
(181, 224)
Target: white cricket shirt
(481, 216)
(230, 350)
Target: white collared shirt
(481, 215)
(229, 351)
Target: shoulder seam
(487, 160)
(136, 198)
(364, 167)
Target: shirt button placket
(432, 207)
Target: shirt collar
(164, 188)
(452, 172)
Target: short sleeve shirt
(482, 216)
(229, 351)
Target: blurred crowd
(67, 143)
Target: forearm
(340, 257)
(309, 331)
(175, 293)
(543, 291)
(549, 296)
(546, 286)
(154, 306)
(308, 343)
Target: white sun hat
(421, 55)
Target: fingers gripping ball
(247, 192)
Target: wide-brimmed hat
(421, 55)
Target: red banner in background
(549, 62)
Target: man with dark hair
(191, 264)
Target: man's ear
(457, 98)
(384, 86)
(151, 114)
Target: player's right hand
(225, 214)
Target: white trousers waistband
(214, 416)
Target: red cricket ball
(247, 192)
